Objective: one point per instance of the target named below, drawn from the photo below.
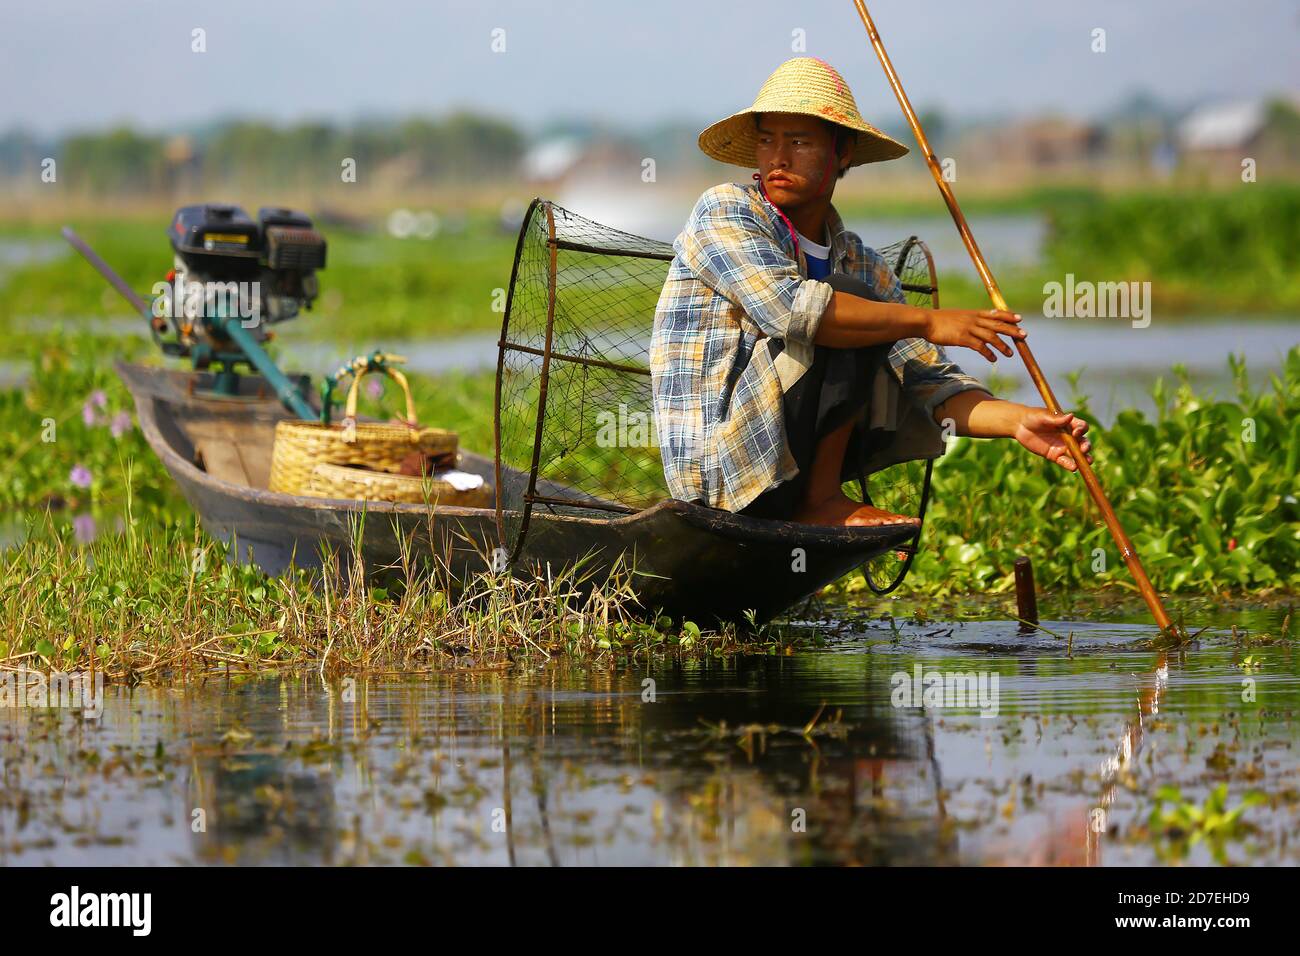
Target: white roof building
(551, 159)
(1222, 125)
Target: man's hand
(1040, 431)
(978, 414)
(973, 329)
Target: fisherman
(785, 359)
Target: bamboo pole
(1122, 541)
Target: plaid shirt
(718, 398)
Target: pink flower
(121, 424)
(95, 400)
(83, 528)
(81, 476)
(374, 388)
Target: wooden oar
(1122, 541)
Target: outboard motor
(228, 265)
(231, 278)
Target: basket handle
(350, 409)
(329, 383)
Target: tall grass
(162, 600)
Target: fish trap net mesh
(575, 421)
(575, 425)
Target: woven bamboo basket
(379, 446)
(362, 484)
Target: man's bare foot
(839, 511)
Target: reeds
(163, 601)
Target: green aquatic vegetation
(1235, 250)
(1185, 823)
(68, 435)
(1207, 490)
(68, 438)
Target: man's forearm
(851, 321)
(978, 414)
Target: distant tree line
(459, 147)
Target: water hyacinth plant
(1181, 824)
(67, 434)
(1208, 491)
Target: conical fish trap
(575, 426)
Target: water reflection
(757, 760)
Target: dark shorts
(835, 389)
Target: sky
(87, 64)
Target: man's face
(792, 152)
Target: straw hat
(808, 85)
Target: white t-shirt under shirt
(818, 256)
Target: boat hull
(687, 561)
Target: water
(754, 760)
(1007, 241)
(1119, 363)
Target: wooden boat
(689, 561)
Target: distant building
(550, 160)
(1054, 142)
(1031, 147)
(1218, 138)
(565, 159)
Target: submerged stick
(1122, 541)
